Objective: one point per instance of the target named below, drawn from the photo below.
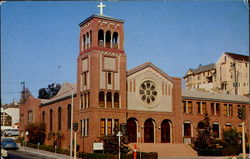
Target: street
(18, 154)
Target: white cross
(101, 6)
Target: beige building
(201, 78)
(229, 75)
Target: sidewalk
(46, 154)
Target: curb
(43, 153)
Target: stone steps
(168, 150)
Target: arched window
(100, 37)
(165, 131)
(116, 100)
(187, 128)
(108, 39)
(59, 118)
(85, 100)
(149, 131)
(101, 99)
(132, 130)
(216, 130)
(109, 99)
(43, 117)
(84, 42)
(81, 101)
(88, 40)
(51, 120)
(228, 126)
(115, 40)
(88, 99)
(69, 116)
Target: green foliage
(111, 145)
(57, 138)
(144, 155)
(20, 140)
(205, 144)
(36, 132)
(47, 148)
(231, 142)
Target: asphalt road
(17, 154)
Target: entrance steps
(168, 150)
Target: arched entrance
(165, 131)
(149, 131)
(132, 129)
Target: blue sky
(40, 40)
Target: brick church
(149, 101)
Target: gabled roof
(64, 93)
(145, 65)
(207, 96)
(201, 69)
(237, 56)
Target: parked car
(9, 143)
(11, 132)
(4, 153)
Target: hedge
(47, 148)
(144, 155)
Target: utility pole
(71, 123)
(23, 92)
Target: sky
(40, 40)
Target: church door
(132, 130)
(149, 131)
(165, 132)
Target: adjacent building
(229, 75)
(10, 115)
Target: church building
(147, 100)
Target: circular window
(148, 92)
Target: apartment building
(229, 75)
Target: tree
(111, 145)
(231, 142)
(57, 138)
(36, 132)
(25, 95)
(51, 91)
(205, 144)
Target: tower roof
(101, 17)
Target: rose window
(148, 92)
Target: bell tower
(101, 64)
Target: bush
(47, 148)
(210, 152)
(36, 133)
(150, 155)
(231, 142)
(20, 140)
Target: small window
(109, 126)
(102, 127)
(109, 78)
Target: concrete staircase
(168, 150)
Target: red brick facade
(99, 105)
